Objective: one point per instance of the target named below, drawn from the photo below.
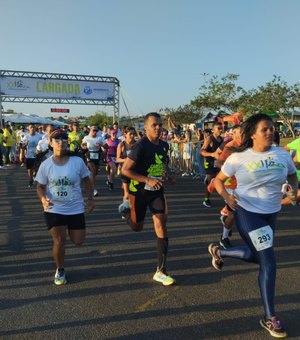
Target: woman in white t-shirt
(261, 169)
(58, 186)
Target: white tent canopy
(20, 118)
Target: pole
(1, 122)
(1, 116)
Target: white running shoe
(164, 278)
(124, 209)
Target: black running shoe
(225, 243)
(273, 326)
(207, 203)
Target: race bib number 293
(262, 238)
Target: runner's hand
(292, 196)
(232, 202)
(155, 183)
(47, 204)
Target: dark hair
(249, 127)
(151, 114)
(129, 128)
(216, 123)
(58, 133)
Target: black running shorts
(142, 199)
(73, 222)
(30, 163)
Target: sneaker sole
(60, 283)
(275, 335)
(213, 261)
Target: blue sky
(158, 49)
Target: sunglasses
(57, 140)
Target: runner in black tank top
(210, 146)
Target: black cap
(58, 134)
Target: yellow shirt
(75, 140)
(14, 136)
(7, 138)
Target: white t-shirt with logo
(63, 184)
(93, 145)
(92, 141)
(260, 176)
(32, 142)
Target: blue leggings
(247, 221)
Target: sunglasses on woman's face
(57, 140)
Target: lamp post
(1, 108)
(204, 75)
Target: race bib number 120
(262, 238)
(62, 193)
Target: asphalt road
(110, 293)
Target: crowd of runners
(244, 164)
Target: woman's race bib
(262, 238)
(61, 193)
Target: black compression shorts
(142, 199)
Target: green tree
(275, 98)
(219, 94)
(187, 114)
(99, 118)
